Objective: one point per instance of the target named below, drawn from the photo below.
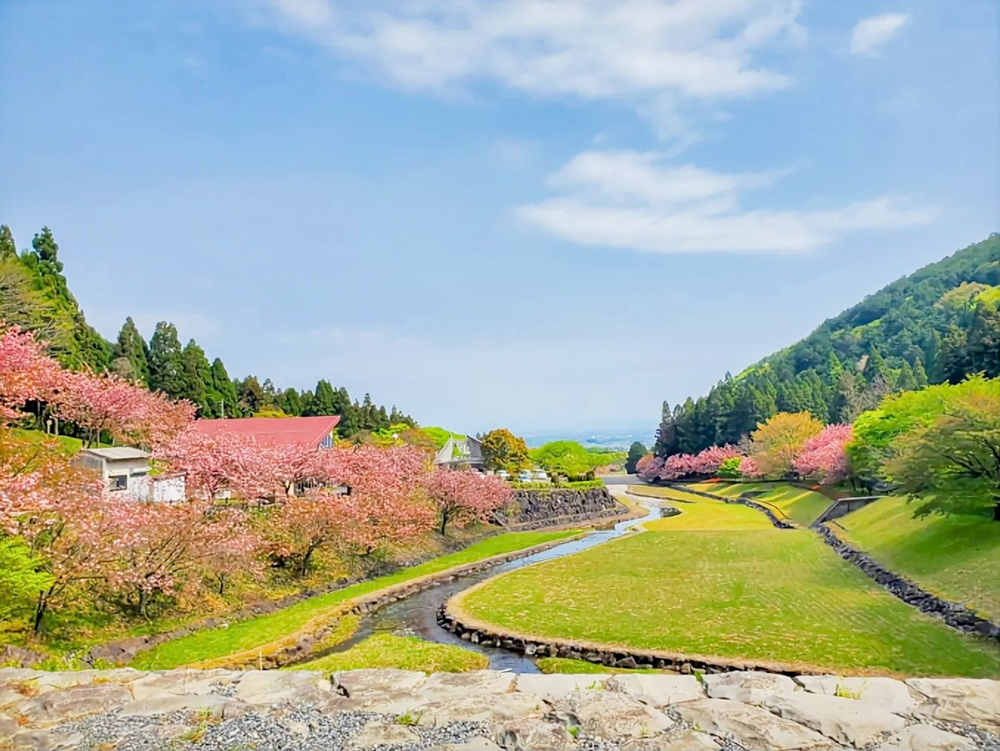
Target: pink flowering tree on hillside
(109, 404)
(648, 467)
(824, 456)
(26, 372)
(464, 497)
(677, 466)
(749, 468)
(164, 548)
(385, 505)
(708, 461)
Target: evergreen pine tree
(251, 395)
(8, 249)
(905, 380)
(130, 355)
(166, 369)
(222, 396)
(919, 374)
(876, 369)
(323, 401)
(196, 377)
(291, 402)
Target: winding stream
(416, 615)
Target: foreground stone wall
(486, 710)
(545, 507)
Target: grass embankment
(261, 631)
(738, 591)
(954, 557)
(800, 505)
(402, 652)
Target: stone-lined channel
(416, 615)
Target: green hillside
(955, 557)
(936, 325)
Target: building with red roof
(276, 431)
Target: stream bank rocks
(955, 615)
(485, 710)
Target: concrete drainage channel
(418, 614)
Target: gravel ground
(287, 729)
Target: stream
(416, 615)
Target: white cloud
(650, 53)
(633, 200)
(871, 34)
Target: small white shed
(121, 466)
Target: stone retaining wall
(955, 615)
(543, 507)
(484, 710)
(451, 618)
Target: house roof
(274, 430)
(118, 452)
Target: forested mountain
(938, 324)
(34, 295)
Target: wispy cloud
(651, 54)
(871, 34)
(637, 201)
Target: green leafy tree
(635, 452)
(504, 450)
(952, 457)
(776, 443)
(21, 578)
(251, 395)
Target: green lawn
(764, 594)
(257, 632)
(660, 491)
(955, 557)
(705, 515)
(568, 665)
(403, 652)
(800, 505)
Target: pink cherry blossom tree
(824, 456)
(464, 497)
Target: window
(118, 482)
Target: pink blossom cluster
(824, 456)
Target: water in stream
(416, 615)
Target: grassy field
(707, 516)
(403, 652)
(798, 504)
(256, 632)
(660, 491)
(955, 557)
(737, 592)
(567, 665)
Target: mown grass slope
(955, 557)
(801, 505)
(256, 632)
(743, 593)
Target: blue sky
(542, 215)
